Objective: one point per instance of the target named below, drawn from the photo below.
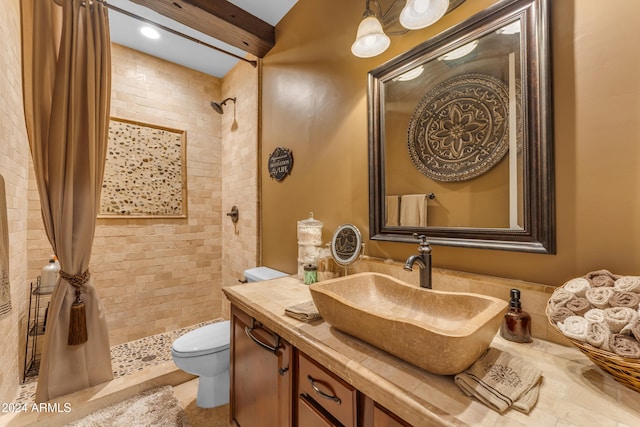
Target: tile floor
(134, 356)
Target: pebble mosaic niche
(145, 171)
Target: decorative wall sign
(459, 130)
(280, 163)
(145, 173)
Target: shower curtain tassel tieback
(78, 318)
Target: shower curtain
(66, 90)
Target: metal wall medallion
(459, 130)
(280, 163)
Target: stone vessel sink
(441, 332)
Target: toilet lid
(205, 340)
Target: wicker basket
(623, 369)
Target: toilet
(205, 352)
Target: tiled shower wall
(155, 275)
(240, 173)
(14, 166)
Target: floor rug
(154, 407)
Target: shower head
(217, 106)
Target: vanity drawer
(319, 387)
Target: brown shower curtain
(67, 88)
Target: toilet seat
(208, 339)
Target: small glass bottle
(310, 274)
(516, 325)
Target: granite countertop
(574, 391)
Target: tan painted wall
(14, 166)
(314, 103)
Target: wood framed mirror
(461, 138)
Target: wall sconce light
(371, 39)
(419, 14)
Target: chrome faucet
(423, 260)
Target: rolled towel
(575, 327)
(595, 315)
(618, 317)
(598, 335)
(577, 286)
(560, 297)
(628, 284)
(579, 305)
(625, 299)
(635, 328)
(499, 379)
(601, 278)
(558, 314)
(624, 346)
(599, 297)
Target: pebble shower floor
(126, 358)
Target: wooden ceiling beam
(221, 20)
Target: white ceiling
(173, 48)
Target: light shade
(418, 14)
(370, 39)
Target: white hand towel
(619, 317)
(595, 315)
(392, 209)
(575, 327)
(599, 297)
(628, 284)
(578, 286)
(413, 210)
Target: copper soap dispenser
(516, 325)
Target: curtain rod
(177, 33)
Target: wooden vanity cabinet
(274, 384)
(323, 398)
(261, 374)
(374, 415)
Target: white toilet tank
(259, 274)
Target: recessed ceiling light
(150, 32)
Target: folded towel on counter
(575, 327)
(624, 346)
(625, 299)
(628, 284)
(578, 286)
(595, 315)
(599, 297)
(560, 297)
(501, 381)
(619, 317)
(598, 335)
(306, 311)
(579, 305)
(392, 210)
(413, 210)
(601, 278)
(558, 314)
